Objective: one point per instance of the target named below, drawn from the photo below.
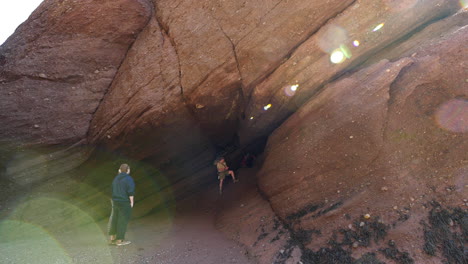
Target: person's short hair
(124, 168)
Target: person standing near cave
(223, 171)
(123, 192)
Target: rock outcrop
(218, 90)
(364, 104)
(172, 96)
(362, 30)
(388, 141)
(54, 72)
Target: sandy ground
(188, 236)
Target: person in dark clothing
(248, 160)
(123, 192)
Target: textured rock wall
(309, 64)
(210, 67)
(388, 141)
(54, 71)
(208, 75)
(173, 105)
(248, 54)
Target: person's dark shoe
(236, 180)
(122, 242)
(220, 192)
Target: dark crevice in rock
(243, 102)
(234, 54)
(233, 46)
(165, 32)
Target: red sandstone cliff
(167, 84)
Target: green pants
(119, 218)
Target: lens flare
(266, 107)
(356, 43)
(378, 27)
(54, 219)
(399, 6)
(290, 90)
(43, 163)
(337, 56)
(346, 51)
(251, 118)
(331, 37)
(28, 243)
(453, 115)
(154, 188)
(464, 4)
(37, 223)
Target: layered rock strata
(54, 72)
(377, 151)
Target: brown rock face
(56, 68)
(236, 44)
(384, 141)
(374, 25)
(170, 95)
(165, 84)
(145, 116)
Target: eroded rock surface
(387, 141)
(246, 55)
(374, 25)
(145, 116)
(54, 72)
(165, 85)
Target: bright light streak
(266, 107)
(346, 51)
(378, 27)
(251, 118)
(356, 43)
(337, 56)
(294, 87)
